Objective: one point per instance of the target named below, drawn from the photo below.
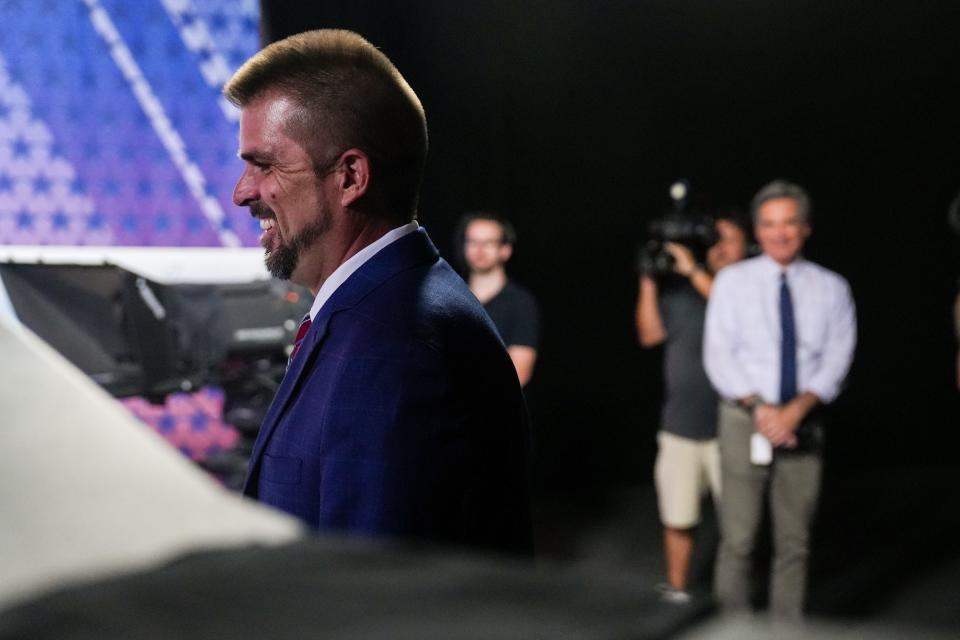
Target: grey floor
(886, 550)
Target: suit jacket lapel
(409, 251)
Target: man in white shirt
(779, 339)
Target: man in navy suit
(400, 414)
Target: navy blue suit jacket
(401, 414)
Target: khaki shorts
(683, 472)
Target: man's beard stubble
(283, 261)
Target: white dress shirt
(344, 271)
(741, 348)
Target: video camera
(135, 336)
(149, 322)
(695, 231)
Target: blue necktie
(788, 344)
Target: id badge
(761, 451)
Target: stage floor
(885, 565)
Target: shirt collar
(345, 270)
(772, 267)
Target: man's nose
(245, 190)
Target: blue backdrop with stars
(112, 127)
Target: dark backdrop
(573, 118)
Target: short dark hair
(736, 217)
(460, 235)
(349, 94)
(782, 189)
(509, 233)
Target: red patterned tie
(301, 332)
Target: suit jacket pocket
(281, 470)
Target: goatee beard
(283, 261)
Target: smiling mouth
(259, 210)
(268, 225)
(270, 234)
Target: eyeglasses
(470, 242)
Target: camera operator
(670, 310)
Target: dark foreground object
(334, 589)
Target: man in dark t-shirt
(488, 242)
(671, 311)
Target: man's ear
(505, 251)
(354, 178)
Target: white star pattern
(212, 32)
(38, 204)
